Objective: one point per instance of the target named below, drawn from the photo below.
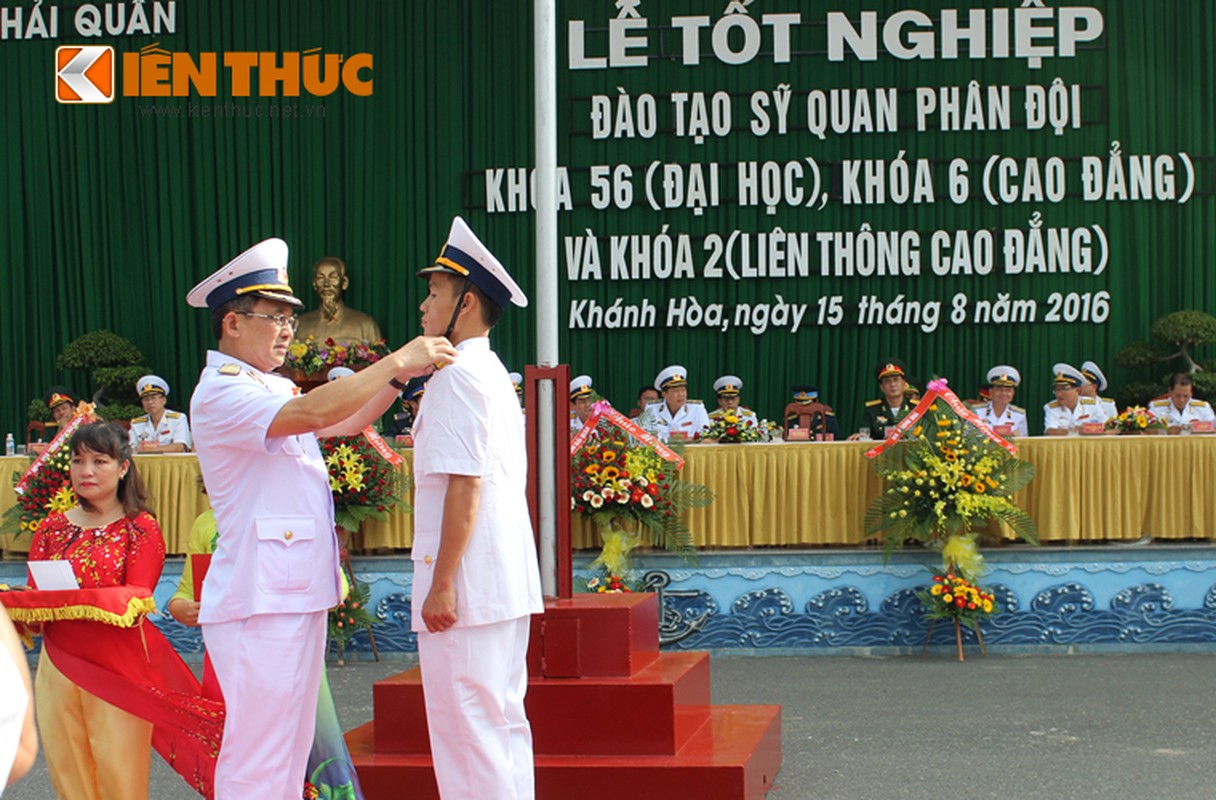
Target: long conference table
(1086, 489)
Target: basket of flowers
(946, 472)
(365, 481)
(309, 360)
(1136, 420)
(629, 484)
(731, 428)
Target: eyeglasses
(280, 321)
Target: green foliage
(1139, 354)
(1182, 331)
(1205, 385)
(1183, 328)
(1137, 394)
(119, 411)
(37, 411)
(99, 348)
(116, 365)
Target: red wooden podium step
(610, 714)
(734, 754)
(652, 712)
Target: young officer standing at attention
(476, 579)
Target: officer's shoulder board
(1089, 401)
(1164, 401)
(1199, 403)
(1018, 409)
(1054, 404)
(872, 403)
(1107, 399)
(695, 403)
(173, 414)
(139, 420)
(230, 369)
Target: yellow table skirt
(1085, 489)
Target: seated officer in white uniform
(1095, 382)
(1180, 408)
(727, 388)
(1000, 412)
(581, 399)
(159, 430)
(675, 416)
(1069, 410)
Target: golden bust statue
(334, 319)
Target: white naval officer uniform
(273, 576)
(475, 673)
(1109, 409)
(691, 419)
(1057, 415)
(1194, 411)
(1012, 415)
(174, 428)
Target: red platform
(607, 709)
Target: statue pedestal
(607, 710)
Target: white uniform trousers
(269, 668)
(474, 680)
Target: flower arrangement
(611, 584)
(365, 484)
(47, 491)
(943, 480)
(1136, 419)
(310, 356)
(953, 597)
(632, 493)
(732, 428)
(349, 616)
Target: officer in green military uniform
(894, 404)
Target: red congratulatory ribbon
(604, 410)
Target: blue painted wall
(848, 602)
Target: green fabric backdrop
(110, 213)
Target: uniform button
(287, 535)
(427, 560)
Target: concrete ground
(1020, 727)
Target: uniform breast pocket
(287, 549)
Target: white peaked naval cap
(261, 270)
(463, 254)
